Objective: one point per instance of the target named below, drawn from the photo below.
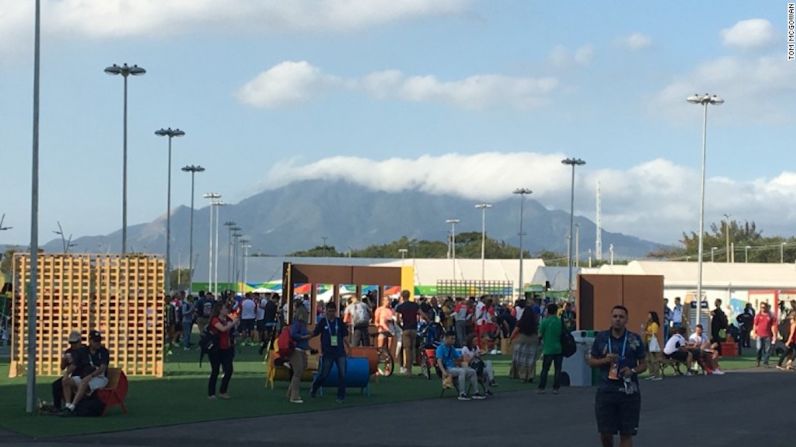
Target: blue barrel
(356, 374)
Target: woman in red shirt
(222, 352)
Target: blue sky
(472, 98)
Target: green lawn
(180, 397)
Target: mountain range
(300, 215)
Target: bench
(115, 391)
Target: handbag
(654, 345)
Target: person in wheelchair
(676, 349)
(471, 356)
(449, 361)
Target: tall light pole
(577, 245)
(727, 234)
(324, 245)
(124, 71)
(244, 244)
(483, 207)
(230, 225)
(213, 197)
(712, 254)
(522, 192)
(403, 252)
(235, 242)
(704, 101)
(30, 389)
(171, 134)
(571, 162)
(453, 223)
(746, 254)
(193, 170)
(782, 252)
(217, 248)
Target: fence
(464, 288)
(120, 296)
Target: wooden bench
(115, 391)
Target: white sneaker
(718, 372)
(296, 401)
(479, 396)
(658, 378)
(493, 352)
(463, 397)
(403, 370)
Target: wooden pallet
(120, 296)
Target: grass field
(180, 396)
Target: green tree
(746, 237)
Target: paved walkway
(741, 408)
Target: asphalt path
(750, 407)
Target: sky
(463, 97)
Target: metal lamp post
(704, 101)
(522, 192)
(30, 374)
(453, 223)
(213, 197)
(571, 162)
(782, 252)
(244, 244)
(124, 71)
(483, 207)
(193, 170)
(403, 252)
(712, 254)
(230, 225)
(171, 133)
(746, 254)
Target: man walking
(334, 345)
(550, 335)
(765, 334)
(408, 312)
(620, 356)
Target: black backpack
(568, 346)
(90, 406)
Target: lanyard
(624, 345)
(329, 328)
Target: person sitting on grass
(676, 348)
(471, 357)
(95, 377)
(448, 359)
(705, 352)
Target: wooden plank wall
(120, 296)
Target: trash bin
(576, 368)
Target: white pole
(697, 314)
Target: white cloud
(758, 89)
(103, 19)
(560, 56)
(283, 84)
(657, 200)
(291, 82)
(636, 41)
(748, 34)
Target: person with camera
(620, 356)
(223, 351)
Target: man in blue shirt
(334, 345)
(446, 361)
(620, 356)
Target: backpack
(568, 346)
(90, 406)
(285, 344)
(361, 314)
(207, 342)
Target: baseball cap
(95, 335)
(75, 337)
